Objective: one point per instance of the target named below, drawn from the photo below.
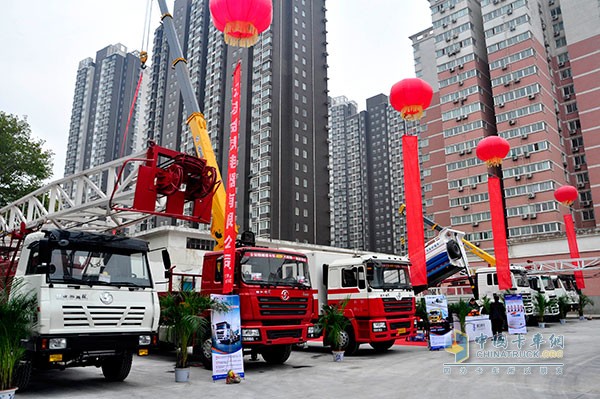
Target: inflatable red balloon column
(492, 150)
(411, 97)
(566, 195)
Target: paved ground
(402, 372)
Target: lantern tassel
(240, 34)
(494, 161)
(412, 112)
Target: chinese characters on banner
(230, 227)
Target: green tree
(25, 164)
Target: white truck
(381, 306)
(96, 302)
(565, 286)
(486, 284)
(543, 283)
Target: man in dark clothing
(497, 314)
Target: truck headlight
(144, 340)
(379, 326)
(311, 332)
(57, 343)
(251, 334)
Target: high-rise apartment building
(522, 70)
(104, 92)
(283, 179)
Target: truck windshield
(387, 275)
(274, 268)
(522, 280)
(100, 268)
(548, 285)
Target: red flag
(414, 210)
(230, 234)
(573, 248)
(499, 231)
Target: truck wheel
(348, 341)
(382, 346)
(22, 375)
(117, 368)
(277, 354)
(204, 352)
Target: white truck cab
(96, 302)
(542, 283)
(487, 285)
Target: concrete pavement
(402, 372)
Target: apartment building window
(588, 214)
(566, 73)
(571, 107)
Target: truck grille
(103, 316)
(393, 305)
(274, 334)
(270, 306)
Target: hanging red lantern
(411, 97)
(566, 195)
(492, 150)
(241, 21)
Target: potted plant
(17, 320)
(486, 305)
(584, 300)
(333, 322)
(540, 304)
(184, 313)
(461, 309)
(563, 308)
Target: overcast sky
(43, 42)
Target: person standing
(497, 315)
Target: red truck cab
(276, 299)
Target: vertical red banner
(573, 248)
(414, 210)
(499, 231)
(230, 226)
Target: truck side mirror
(325, 274)
(166, 258)
(44, 252)
(362, 284)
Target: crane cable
(143, 59)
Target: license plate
(143, 352)
(401, 331)
(55, 358)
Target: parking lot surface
(405, 371)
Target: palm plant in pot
(185, 313)
(461, 309)
(540, 304)
(584, 300)
(563, 308)
(17, 320)
(333, 322)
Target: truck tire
(453, 250)
(204, 352)
(22, 375)
(349, 341)
(117, 368)
(277, 354)
(382, 346)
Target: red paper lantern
(492, 150)
(566, 195)
(411, 97)
(241, 21)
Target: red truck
(277, 300)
